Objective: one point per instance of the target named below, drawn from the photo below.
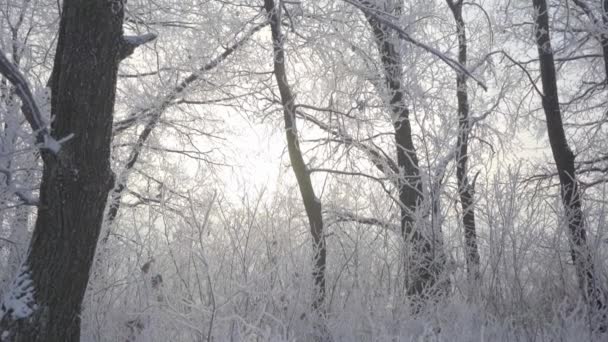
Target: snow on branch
(156, 111)
(130, 43)
(30, 109)
(341, 215)
(385, 19)
(18, 301)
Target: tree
(465, 190)
(312, 204)
(564, 163)
(426, 257)
(44, 301)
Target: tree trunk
(465, 190)
(48, 291)
(564, 161)
(311, 203)
(604, 36)
(425, 267)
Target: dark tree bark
(426, 260)
(465, 190)
(604, 39)
(564, 162)
(311, 203)
(45, 300)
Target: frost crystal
(19, 300)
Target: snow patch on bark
(18, 301)
(51, 144)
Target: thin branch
(180, 88)
(347, 173)
(378, 157)
(344, 216)
(383, 18)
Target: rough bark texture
(311, 203)
(564, 162)
(76, 180)
(426, 261)
(465, 189)
(604, 39)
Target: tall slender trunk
(311, 203)
(425, 260)
(564, 162)
(465, 190)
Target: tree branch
(130, 43)
(30, 109)
(369, 10)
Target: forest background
(291, 170)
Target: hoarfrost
(19, 300)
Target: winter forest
(292, 170)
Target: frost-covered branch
(18, 302)
(30, 109)
(379, 158)
(383, 18)
(182, 86)
(154, 113)
(347, 216)
(347, 173)
(130, 43)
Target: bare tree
(426, 265)
(564, 162)
(44, 301)
(312, 204)
(465, 189)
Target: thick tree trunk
(425, 260)
(50, 286)
(604, 36)
(465, 190)
(564, 162)
(311, 203)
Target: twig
(368, 10)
